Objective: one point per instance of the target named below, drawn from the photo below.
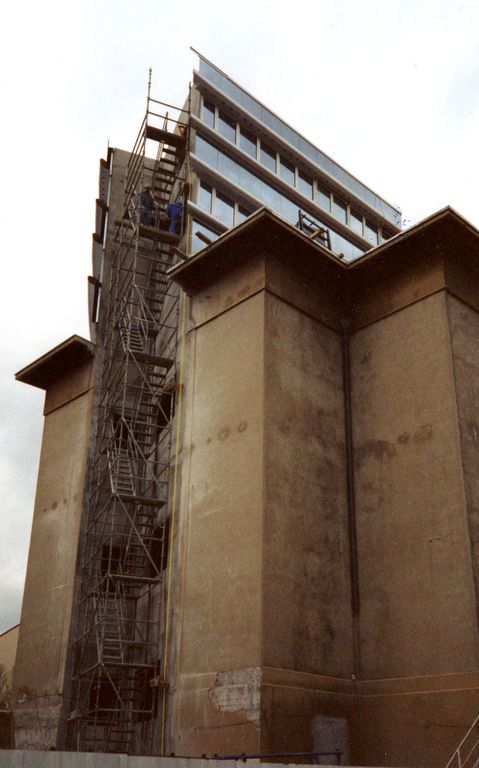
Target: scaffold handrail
(129, 471)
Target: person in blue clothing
(174, 211)
(147, 207)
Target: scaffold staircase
(118, 638)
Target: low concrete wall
(20, 758)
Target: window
(248, 142)
(371, 232)
(224, 209)
(339, 244)
(159, 548)
(286, 171)
(268, 158)
(356, 221)
(166, 409)
(239, 174)
(196, 243)
(313, 228)
(339, 209)
(241, 214)
(262, 114)
(205, 195)
(208, 113)
(323, 197)
(305, 185)
(227, 127)
(206, 151)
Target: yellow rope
(175, 475)
(173, 511)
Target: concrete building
(8, 650)
(255, 525)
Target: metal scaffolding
(120, 616)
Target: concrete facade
(66, 375)
(8, 652)
(270, 641)
(325, 575)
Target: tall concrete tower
(255, 519)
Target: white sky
(388, 88)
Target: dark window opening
(103, 697)
(147, 695)
(159, 548)
(166, 410)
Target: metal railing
(117, 644)
(467, 753)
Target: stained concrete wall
(262, 640)
(306, 580)
(398, 678)
(8, 651)
(419, 648)
(464, 330)
(412, 528)
(221, 533)
(306, 575)
(263, 618)
(47, 602)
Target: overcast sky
(388, 88)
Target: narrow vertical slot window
(248, 142)
(267, 158)
(227, 127)
(224, 209)
(356, 221)
(305, 185)
(339, 210)
(286, 171)
(205, 195)
(208, 113)
(241, 214)
(371, 232)
(323, 197)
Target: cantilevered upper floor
(245, 157)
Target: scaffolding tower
(119, 624)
